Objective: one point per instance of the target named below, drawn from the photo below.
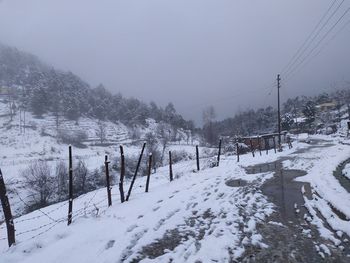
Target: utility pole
(279, 112)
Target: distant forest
(264, 120)
(41, 89)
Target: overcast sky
(192, 52)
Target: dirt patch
(261, 168)
(236, 183)
(174, 237)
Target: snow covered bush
(208, 152)
(61, 176)
(180, 156)
(130, 165)
(40, 183)
(76, 138)
(243, 148)
(229, 149)
(210, 163)
(153, 147)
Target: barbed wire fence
(94, 206)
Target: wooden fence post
(237, 149)
(122, 174)
(170, 167)
(219, 153)
(135, 174)
(252, 147)
(70, 187)
(274, 144)
(108, 184)
(197, 157)
(149, 171)
(267, 145)
(259, 143)
(7, 212)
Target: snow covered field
(195, 217)
(199, 217)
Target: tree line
(264, 120)
(40, 89)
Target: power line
(318, 44)
(309, 37)
(315, 36)
(322, 48)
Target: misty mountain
(40, 89)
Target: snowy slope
(199, 217)
(123, 230)
(195, 217)
(39, 142)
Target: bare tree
(39, 182)
(208, 127)
(81, 178)
(152, 148)
(11, 103)
(209, 115)
(62, 180)
(101, 132)
(164, 134)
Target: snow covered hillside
(39, 141)
(19, 148)
(251, 211)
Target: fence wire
(96, 208)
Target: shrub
(61, 175)
(130, 165)
(76, 138)
(180, 156)
(40, 183)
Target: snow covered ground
(328, 208)
(195, 217)
(198, 216)
(202, 216)
(19, 149)
(346, 171)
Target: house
(326, 106)
(266, 141)
(5, 93)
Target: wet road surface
(295, 240)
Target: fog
(195, 53)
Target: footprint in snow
(131, 228)
(109, 244)
(156, 208)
